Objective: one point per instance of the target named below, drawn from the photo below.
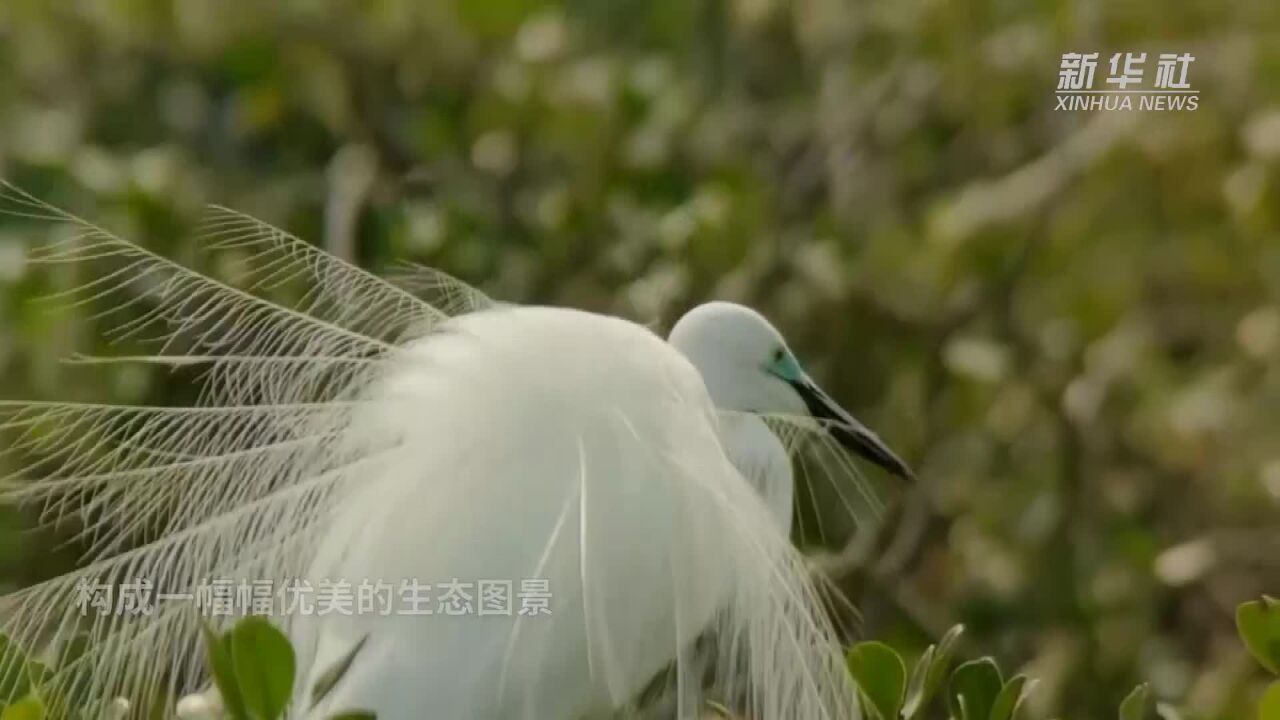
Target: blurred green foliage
(1070, 322)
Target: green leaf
(880, 675)
(1259, 625)
(28, 708)
(1134, 707)
(1269, 708)
(974, 688)
(1010, 697)
(218, 654)
(354, 715)
(915, 698)
(264, 665)
(329, 678)
(947, 645)
(929, 673)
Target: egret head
(747, 367)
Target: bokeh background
(1069, 322)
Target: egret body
(366, 434)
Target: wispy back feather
(239, 486)
(229, 489)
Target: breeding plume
(411, 433)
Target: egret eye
(779, 354)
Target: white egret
(367, 435)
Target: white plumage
(598, 468)
(365, 434)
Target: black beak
(848, 431)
